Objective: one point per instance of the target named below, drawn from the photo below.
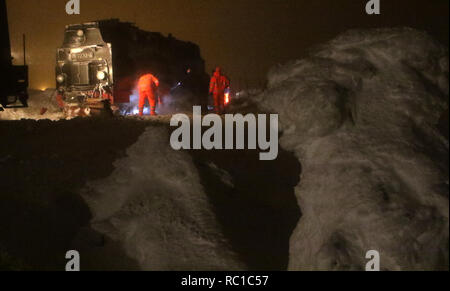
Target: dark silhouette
(14, 80)
(167, 58)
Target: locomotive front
(84, 72)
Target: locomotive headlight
(60, 78)
(101, 75)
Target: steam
(176, 101)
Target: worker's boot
(153, 111)
(141, 111)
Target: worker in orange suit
(148, 85)
(219, 83)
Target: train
(99, 63)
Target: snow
(36, 102)
(360, 115)
(46, 99)
(155, 207)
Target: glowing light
(60, 78)
(76, 50)
(101, 75)
(14, 55)
(227, 98)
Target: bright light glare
(76, 50)
(227, 98)
(60, 78)
(101, 75)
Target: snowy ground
(114, 190)
(155, 205)
(42, 105)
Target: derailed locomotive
(84, 72)
(99, 63)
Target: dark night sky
(246, 37)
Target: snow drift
(155, 207)
(360, 115)
(41, 105)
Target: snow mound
(41, 105)
(155, 207)
(360, 115)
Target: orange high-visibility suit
(147, 85)
(217, 87)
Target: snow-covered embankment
(155, 207)
(360, 115)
